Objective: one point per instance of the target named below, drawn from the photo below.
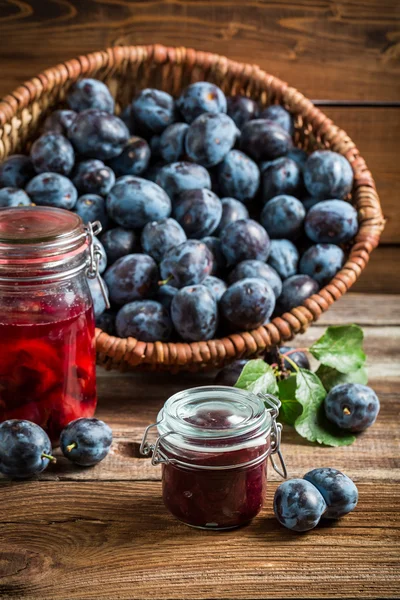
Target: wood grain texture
(347, 50)
(381, 275)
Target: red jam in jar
(47, 352)
(214, 443)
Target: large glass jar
(47, 352)
(213, 444)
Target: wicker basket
(126, 69)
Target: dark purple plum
(209, 138)
(352, 406)
(198, 212)
(59, 121)
(295, 290)
(201, 97)
(339, 491)
(265, 140)
(194, 313)
(187, 264)
(90, 93)
(239, 176)
(52, 152)
(145, 320)
(134, 202)
(106, 322)
(25, 449)
(160, 236)
(322, 262)
(165, 295)
(283, 257)
(279, 115)
(181, 176)
(300, 358)
(298, 155)
(172, 142)
(216, 286)
(134, 158)
(86, 441)
(298, 505)
(99, 303)
(52, 189)
(248, 303)
(232, 210)
(93, 177)
(153, 109)
(327, 175)
(242, 109)
(331, 221)
(229, 374)
(16, 171)
(214, 245)
(97, 134)
(259, 270)
(132, 277)
(282, 176)
(91, 207)
(118, 242)
(283, 217)
(244, 239)
(10, 196)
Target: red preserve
(213, 444)
(47, 352)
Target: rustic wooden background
(346, 53)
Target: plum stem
(49, 456)
(165, 281)
(71, 446)
(292, 363)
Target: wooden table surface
(103, 533)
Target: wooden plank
(364, 309)
(103, 540)
(381, 275)
(340, 51)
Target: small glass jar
(47, 348)
(213, 444)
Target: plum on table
(298, 505)
(352, 406)
(25, 449)
(86, 441)
(229, 374)
(339, 491)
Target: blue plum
(16, 171)
(214, 245)
(59, 121)
(181, 176)
(198, 212)
(300, 358)
(339, 491)
(232, 210)
(238, 176)
(201, 97)
(99, 303)
(160, 236)
(194, 313)
(86, 441)
(298, 505)
(283, 257)
(298, 155)
(172, 142)
(242, 109)
(98, 134)
(52, 152)
(187, 264)
(153, 109)
(283, 217)
(90, 93)
(118, 242)
(331, 221)
(279, 115)
(10, 196)
(146, 320)
(216, 286)
(209, 138)
(134, 158)
(229, 374)
(264, 140)
(352, 406)
(132, 277)
(91, 207)
(106, 322)
(134, 202)
(281, 176)
(322, 262)
(248, 303)
(295, 290)
(165, 295)
(244, 239)
(25, 449)
(259, 270)
(327, 175)
(52, 189)
(93, 177)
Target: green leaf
(340, 348)
(312, 423)
(331, 377)
(290, 407)
(257, 377)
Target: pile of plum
(213, 221)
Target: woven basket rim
(173, 356)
